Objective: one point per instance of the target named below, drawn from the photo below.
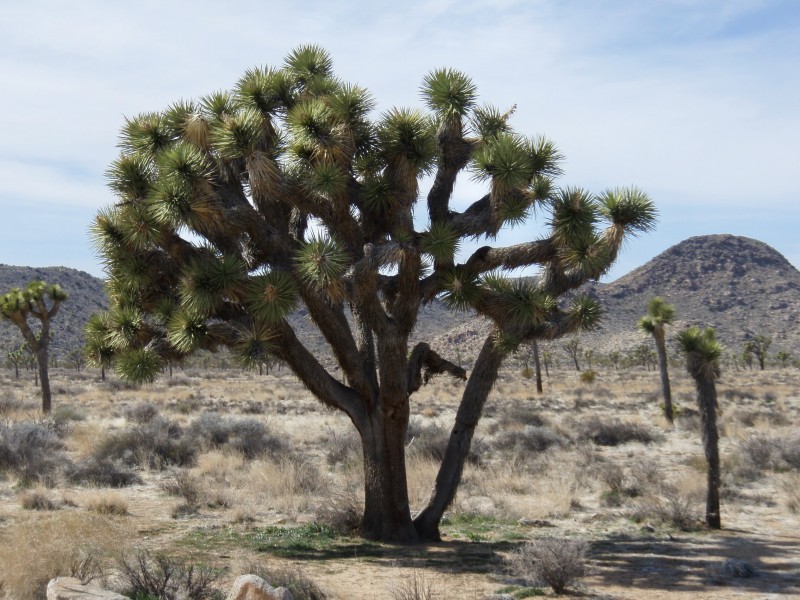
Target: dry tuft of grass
(35, 550)
(108, 503)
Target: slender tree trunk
(469, 412)
(44, 378)
(537, 366)
(666, 392)
(707, 398)
(16, 370)
(102, 372)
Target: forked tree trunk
(707, 398)
(469, 413)
(666, 392)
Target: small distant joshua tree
(573, 349)
(758, 347)
(703, 352)
(15, 357)
(659, 314)
(18, 306)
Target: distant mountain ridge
(740, 286)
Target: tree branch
(422, 356)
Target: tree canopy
(235, 209)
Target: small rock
(253, 587)
(71, 588)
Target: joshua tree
(784, 358)
(299, 196)
(18, 306)
(613, 358)
(659, 314)
(15, 357)
(703, 352)
(758, 347)
(573, 349)
(99, 349)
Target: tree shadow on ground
(695, 562)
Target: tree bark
(44, 378)
(666, 392)
(387, 514)
(707, 397)
(469, 412)
(537, 366)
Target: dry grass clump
(342, 511)
(107, 503)
(532, 439)
(670, 507)
(635, 479)
(558, 562)
(615, 432)
(37, 499)
(342, 448)
(35, 550)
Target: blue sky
(695, 101)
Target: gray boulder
(253, 587)
(70, 588)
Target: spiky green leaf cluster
(574, 214)
(186, 330)
(461, 288)
(441, 242)
(209, 281)
(449, 93)
(585, 312)
(407, 138)
(271, 296)
(630, 208)
(140, 365)
(254, 345)
(524, 305)
(322, 262)
(702, 351)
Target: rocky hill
(86, 296)
(739, 286)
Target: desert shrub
(731, 568)
(291, 578)
(247, 436)
(558, 562)
(532, 438)
(672, 508)
(9, 402)
(429, 440)
(65, 413)
(416, 587)
(141, 412)
(759, 453)
(341, 511)
(37, 500)
(101, 472)
(156, 444)
(633, 480)
(588, 376)
(31, 450)
(791, 491)
(521, 413)
(108, 503)
(615, 432)
(342, 448)
(150, 575)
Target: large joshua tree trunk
(661, 350)
(44, 378)
(707, 398)
(387, 514)
(469, 412)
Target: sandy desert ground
(238, 472)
